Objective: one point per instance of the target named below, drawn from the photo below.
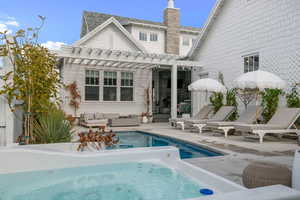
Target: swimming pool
(135, 139)
(123, 181)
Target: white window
(186, 42)
(194, 41)
(92, 85)
(110, 86)
(251, 63)
(153, 37)
(143, 36)
(126, 86)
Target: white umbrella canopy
(259, 80)
(207, 85)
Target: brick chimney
(172, 21)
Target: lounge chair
(202, 114)
(222, 115)
(281, 123)
(249, 116)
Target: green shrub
(216, 99)
(231, 101)
(293, 99)
(52, 127)
(270, 101)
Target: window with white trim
(110, 86)
(194, 41)
(251, 63)
(143, 36)
(153, 37)
(92, 85)
(186, 41)
(126, 86)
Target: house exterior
(118, 60)
(246, 35)
(10, 123)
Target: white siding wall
(184, 50)
(269, 27)
(142, 80)
(151, 46)
(10, 125)
(111, 38)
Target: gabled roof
(210, 21)
(99, 28)
(90, 20)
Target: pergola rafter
(121, 59)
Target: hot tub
(137, 174)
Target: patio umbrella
(258, 81)
(207, 85)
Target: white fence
(3, 116)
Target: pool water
(135, 139)
(125, 181)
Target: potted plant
(147, 116)
(144, 117)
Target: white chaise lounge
(249, 116)
(222, 115)
(281, 123)
(201, 115)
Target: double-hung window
(186, 42)
(110, 86)
(143, 36)
(153, 37)
(126, 86)
(92, 85)
(251, 63)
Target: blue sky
(64, 16)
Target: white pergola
(128, 60)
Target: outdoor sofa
(123, 121)
(108, 119)
(281, 123)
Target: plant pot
(145, 120)
(296, 171)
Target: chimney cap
(171, 4)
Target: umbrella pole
(256, 103)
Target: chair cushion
(222, 124)
(88, 116)
(253, 127)
(111, 115)
(223, 113)
(102, 121)
(98, 116)
(285, 117)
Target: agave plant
(52, 127)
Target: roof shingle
(93, 19)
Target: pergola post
(174, 91)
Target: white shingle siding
(269, 27)
(111, 38)
(142, 80)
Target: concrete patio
(239, 151)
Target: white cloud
(12, 23)
(53, 45)
(3, 27)
(8, 23)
